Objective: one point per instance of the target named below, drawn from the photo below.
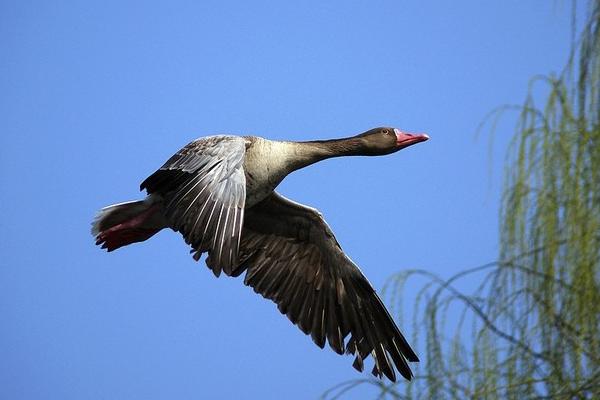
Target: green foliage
(532, 327)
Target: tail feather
(121, 224)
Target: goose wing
(292, 257)
(204, 190)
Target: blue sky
(96, 95)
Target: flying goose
(218, 192)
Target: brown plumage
(219, 193)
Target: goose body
(219, 193)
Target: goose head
(385, 140)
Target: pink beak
(405, 139)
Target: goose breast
(265, 166)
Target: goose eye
(385, 131)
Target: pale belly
(257, 190)
(263, 170)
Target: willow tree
(532, 327)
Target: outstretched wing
(204, 190)
(292, 257)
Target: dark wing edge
(203, 187)
(292, 258)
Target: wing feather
(202, 186)
(291, 256)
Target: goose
(219, 193)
